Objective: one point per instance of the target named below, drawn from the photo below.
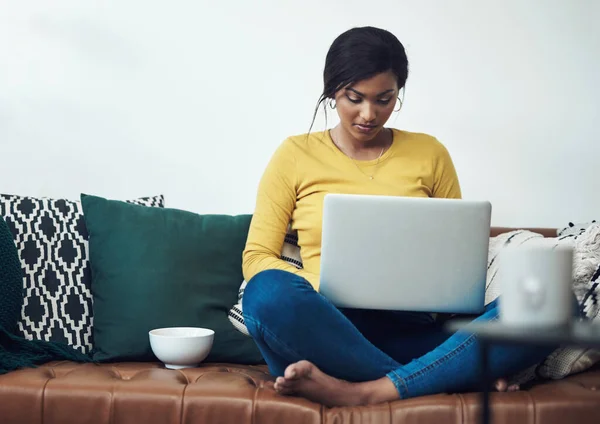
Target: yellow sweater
(305, 168)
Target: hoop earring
(332, 104)
(400, 105)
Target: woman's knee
(266, 292)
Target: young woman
(350, 357)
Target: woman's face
(365, 107)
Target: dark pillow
(51, 239)
(11, 281)
(154, 268)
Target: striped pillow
(290, 253)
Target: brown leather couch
(69, 393)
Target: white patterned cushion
(586, 287)
(574, 229)
(52, 241)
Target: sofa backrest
(546, 232)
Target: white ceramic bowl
(181, 347)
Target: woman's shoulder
(297, 146)
(306, 139)
(305, 143)
(420, 141)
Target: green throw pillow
(154, 267)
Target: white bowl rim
(155, 332)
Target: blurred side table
(578, 333)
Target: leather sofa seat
(65, 392)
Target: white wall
(189, 98)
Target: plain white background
(127, 98)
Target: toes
(304, 369)
(284, 386)
(514, 388)
(290, 372)
(299, 370)
(501, 385)
(281, 384)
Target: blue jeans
(290, 321)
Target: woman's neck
(360, 150)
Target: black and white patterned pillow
(585, 242)
(574, 229)
(52, 240)
(290, 253)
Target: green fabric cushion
(155, 268)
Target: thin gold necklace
(371, 176)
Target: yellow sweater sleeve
(275, 203)
(445, 178)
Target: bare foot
(306, 380)
(502, 386)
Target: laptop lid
(405, 253)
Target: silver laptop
(405, 253)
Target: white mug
(536, 286)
